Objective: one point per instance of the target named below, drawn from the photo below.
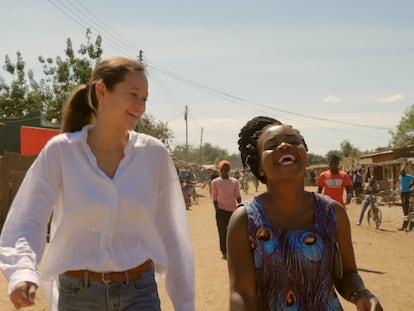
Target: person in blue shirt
(405, 182)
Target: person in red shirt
(334, 181)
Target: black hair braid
(248, 138)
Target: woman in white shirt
(118, 210)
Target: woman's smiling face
(125, 104)
(282, 152)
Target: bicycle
(374, 212)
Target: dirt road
(385, 259)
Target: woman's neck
(286, 195)
(105, 139)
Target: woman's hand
(23, 295)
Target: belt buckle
(103, 277)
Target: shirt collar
(134, 141)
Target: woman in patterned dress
(281, 243)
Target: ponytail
(77, 110)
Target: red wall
(32, 139)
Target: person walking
(188, 192)
(117, 205)
(405, 183)
(357, 183)
(285, 245)
(333, 182)
(225, 192)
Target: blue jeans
(365, 204)
(80, 295)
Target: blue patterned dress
(294, 267)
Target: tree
(348, 150)
(404, 134)
(159, 129)
(60, 76)
(209, 154)
(16, 99)
(63, 74)
(315, 159)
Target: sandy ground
(385, 259)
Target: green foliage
(404, 134)
(24, 94)
(17, 99)
(316, 159)
(159, 129)
(62, 74)
(348, 150)
(207, 155)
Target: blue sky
(336, 70)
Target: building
(29, 133)
(385, 166)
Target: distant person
(188, 193)
(405, 182)
(371, 188)
(237, 174)
(357, 179)
(118, 209)
(282, 243)
(333, 182)
(312, 177)
(225, 191)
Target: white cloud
(331, 100)
(390, 99)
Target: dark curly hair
(248, 143)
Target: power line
(115, 38)
(83, 24)
(242, 100)
(117, 35)
(220, 94)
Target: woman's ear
(100, 90)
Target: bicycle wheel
(369, 216)
(378, 218)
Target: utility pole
(186, 133)
(201, 144)
(141, 56)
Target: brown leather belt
(133, 274)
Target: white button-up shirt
(100, 224)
